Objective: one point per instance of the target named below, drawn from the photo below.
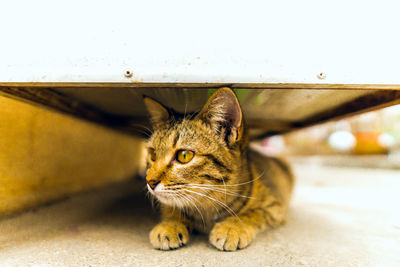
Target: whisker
(223, 180)
(212, 203)
(202, 218)
(227, 208)
(140, 128)
(211, 185)
(181, 200)
(151, 198)
(220, 190)
(206, 187)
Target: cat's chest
(203, 221)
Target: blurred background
(370, 140)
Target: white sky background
(200, 41)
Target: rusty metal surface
(267, 111)
(279, 104)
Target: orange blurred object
(367, 143)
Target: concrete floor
(339, 217)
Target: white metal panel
(200, 41)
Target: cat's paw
(169, 235)
(231, 234)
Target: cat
(201, 171)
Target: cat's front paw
(231, 234)
(169, 235)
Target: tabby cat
(200, 169)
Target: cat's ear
(222, 111)
(158, 113)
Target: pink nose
(153, 183)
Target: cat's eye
(184, 156)
(152, 154)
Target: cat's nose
(153, 183)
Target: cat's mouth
(162, 195)
(167, 196)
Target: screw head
(321, 76)
(128, 74)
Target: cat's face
(190, 160)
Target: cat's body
(206, 178)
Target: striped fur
(226, 190)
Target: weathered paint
(207, 41)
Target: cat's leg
(237, 232)
(172, 232)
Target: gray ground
(339, 217)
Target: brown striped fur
(226, 190)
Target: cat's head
(197, 155)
